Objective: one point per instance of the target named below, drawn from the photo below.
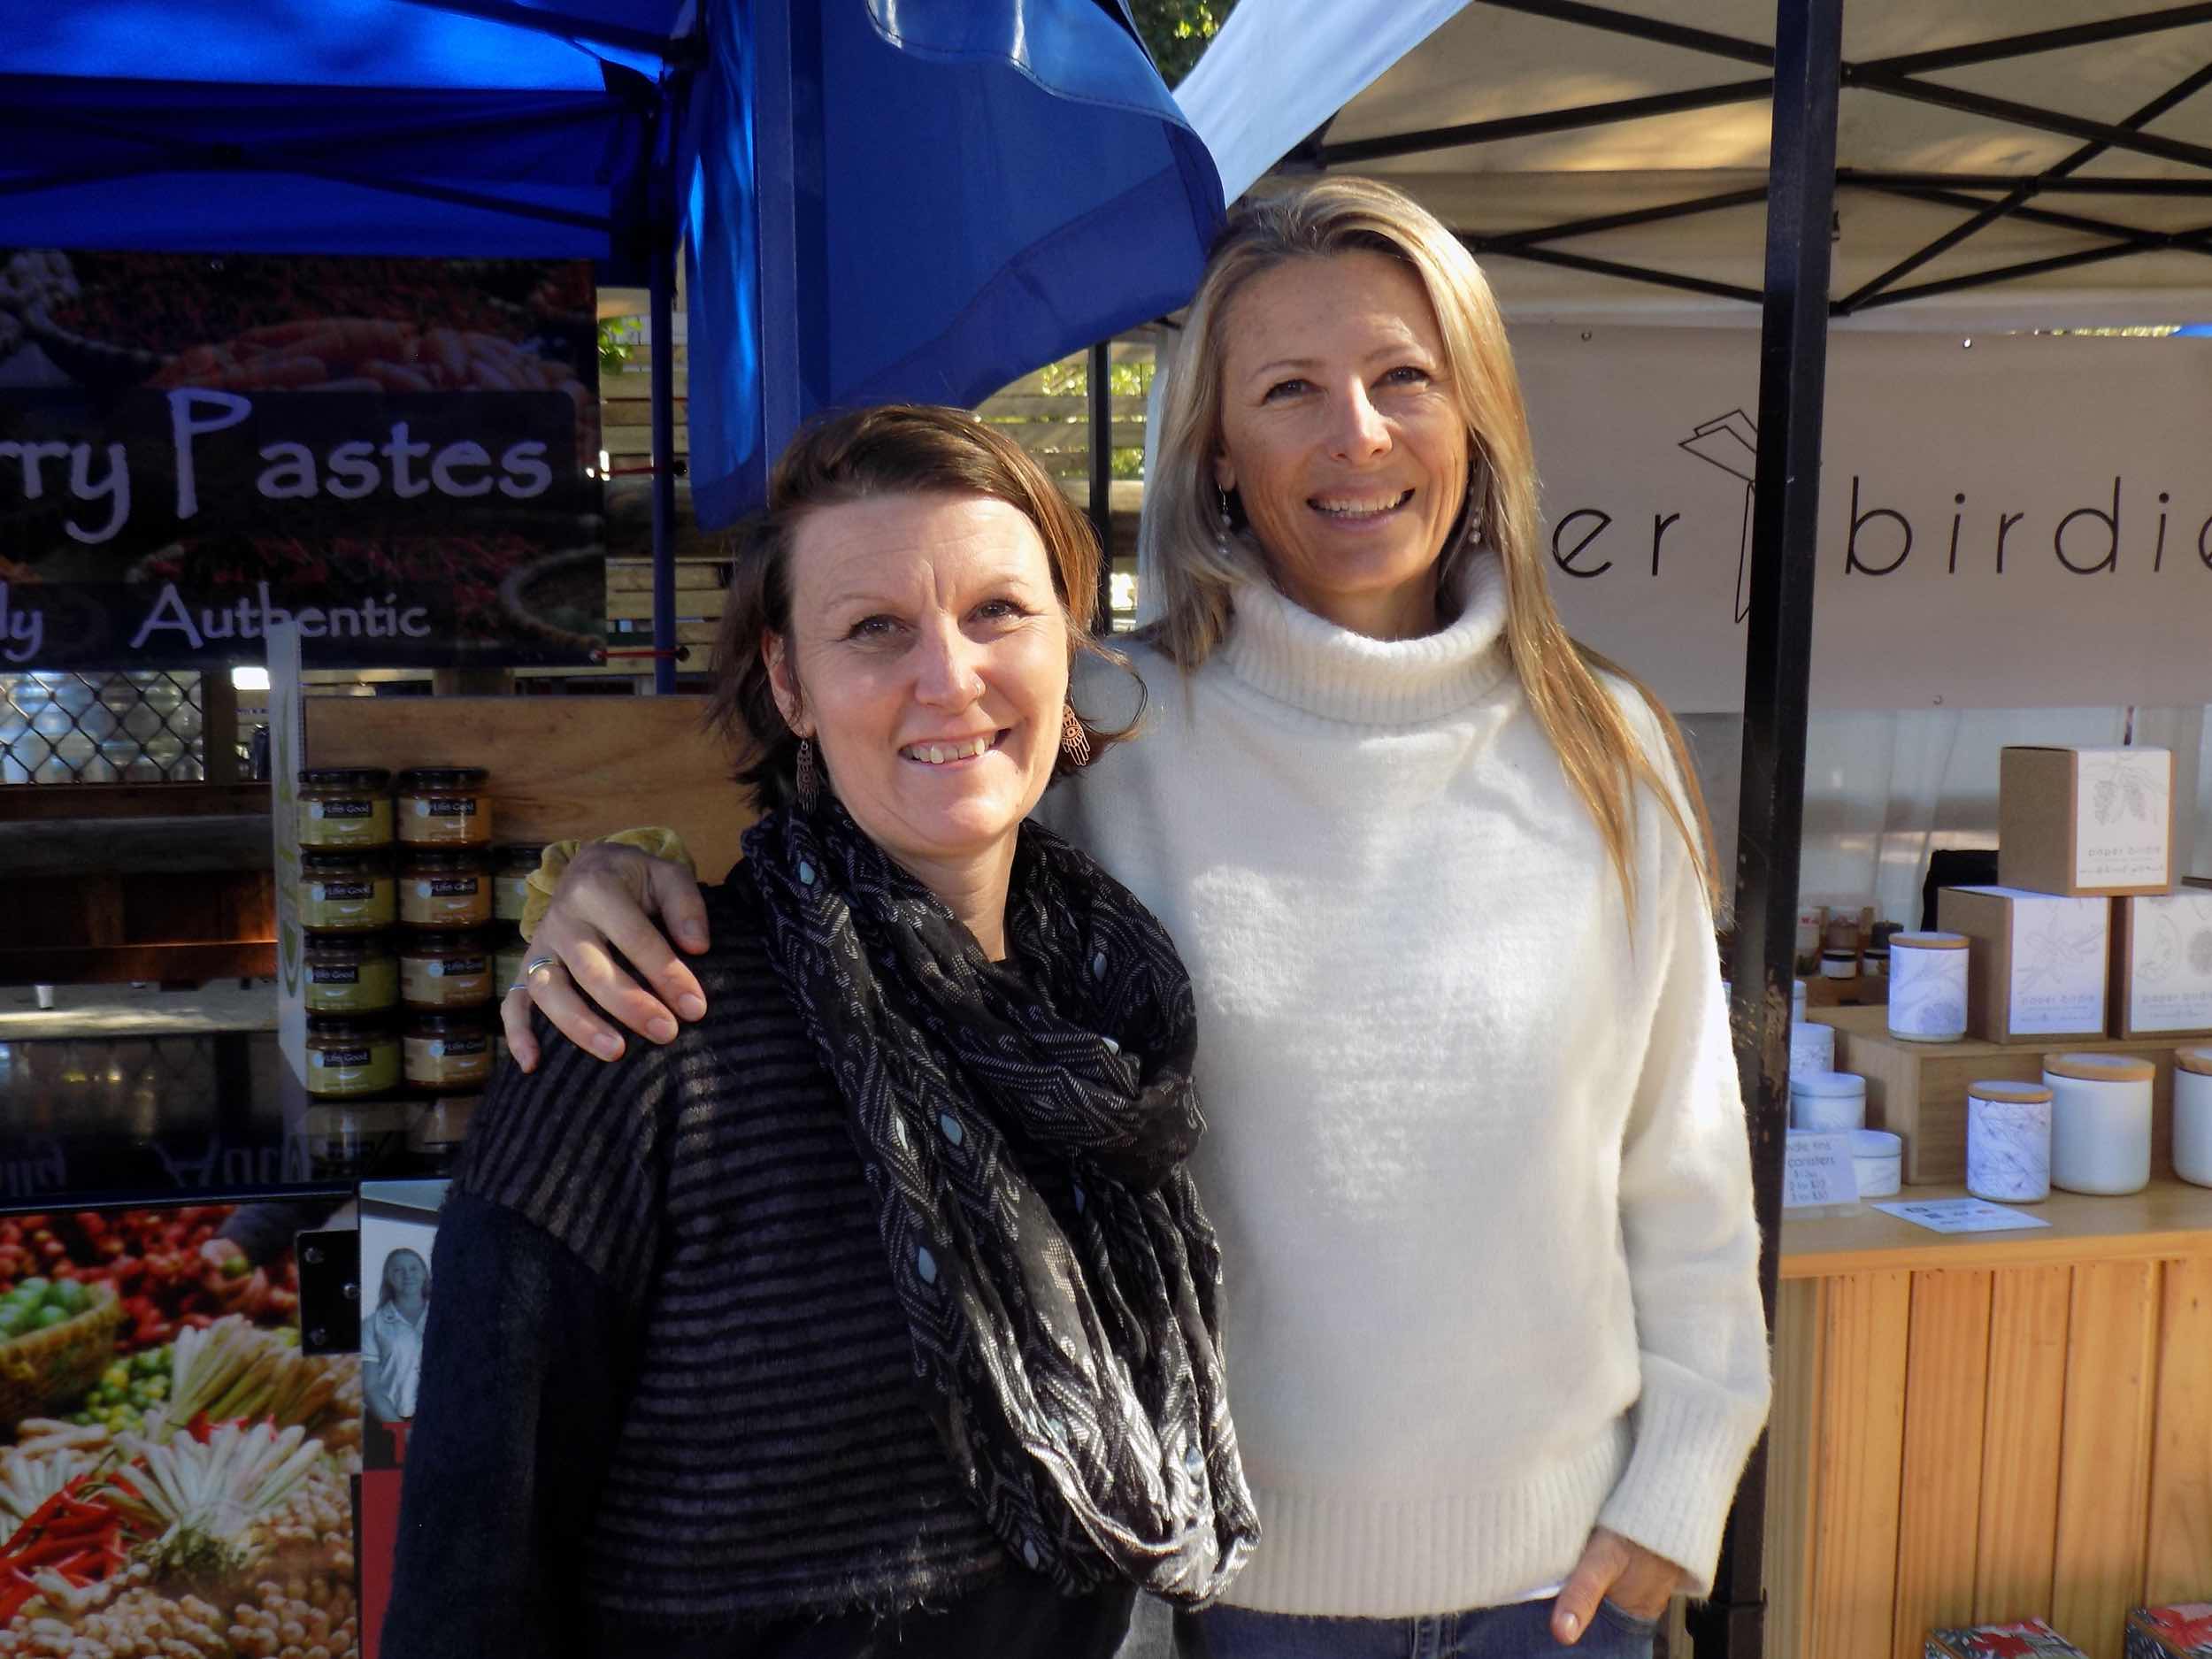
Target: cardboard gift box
(2039, 961)
(2085, 822)
(2030, 1639)
(2183, 1631)
(2162, 965)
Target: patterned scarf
(1023, 1125)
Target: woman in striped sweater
(877, 1313)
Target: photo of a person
(391, 1352)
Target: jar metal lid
(2195, 1061)
(2099, 1068)
(1828, 1085)
(2010, 1094)
(351, 945)
(418, 779)
(464, 859)
(343, 858)
(1927, 941)
(1875, 1143)
(429, 944)
(445, 1024)
(369, 780)
(345, 1025)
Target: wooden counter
(1984, 1427)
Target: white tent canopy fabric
(1365, 77)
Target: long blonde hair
(1597, 746)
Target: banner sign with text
(2023, 522)
(399, 455)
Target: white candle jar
(2193, 1115)
(1927, 987)
(2008, 1142)
(1828, 1103)
(1812, 1049)
(2100, 1122)
(1878, 1158)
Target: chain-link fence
(136, 727)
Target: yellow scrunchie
(661, 843)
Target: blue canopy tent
(878, 198)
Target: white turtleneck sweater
(1476, 1146)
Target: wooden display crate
(1918, 1089)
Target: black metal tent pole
(1099, 386)
(1785, 522)
(662, 300)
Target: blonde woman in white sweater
(1441, 878)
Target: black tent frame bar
(1891, 77)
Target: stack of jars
(397, 901)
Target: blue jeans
(1519, 1632)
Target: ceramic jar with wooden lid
(2193, 1115)
(2100, 1122)
(2008, 1142)
(1927, 987)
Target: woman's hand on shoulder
(1617, 1570)
(602, 918)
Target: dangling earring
(808, 786)
(1075, 743)
(1472, 527)
(1221, 527)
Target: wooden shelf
(2169, 1218)
(63, 802)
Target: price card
(1816, 1172)
(1960, 1215)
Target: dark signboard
(400, 454)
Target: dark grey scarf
(1023, 1125)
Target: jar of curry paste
(446, 1052)
(444, 806)
(346, 892)
(347, 1057)
(514, 866)
(350, 973)
(439, 973)
(347, 806)
(441, 886)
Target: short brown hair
(866, 454)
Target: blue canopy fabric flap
(991, 183)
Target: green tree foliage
(1177, 31)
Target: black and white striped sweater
(667, 1388)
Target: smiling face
(928, 660)
(405, 1273)
(1341, 438)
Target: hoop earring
(807, 784)
(1075, 743)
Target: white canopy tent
(1564, 141)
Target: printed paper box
(2171, 1633)
(2038, 964)
(2162, 965)
(2085, 822)
(2030, 1640)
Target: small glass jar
(441, 973)
(349, 973)
(1874, 962)
(445, 887)
(346, 892)
(345, 1142)
(437, 1128)
(1838, 963)
(350, 1057)
(514, 865)
(446, 1051)
(510, 951)
(444, 806)
(345, 806)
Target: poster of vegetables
(175, 1474)
(400, 454)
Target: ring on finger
(535, 966)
